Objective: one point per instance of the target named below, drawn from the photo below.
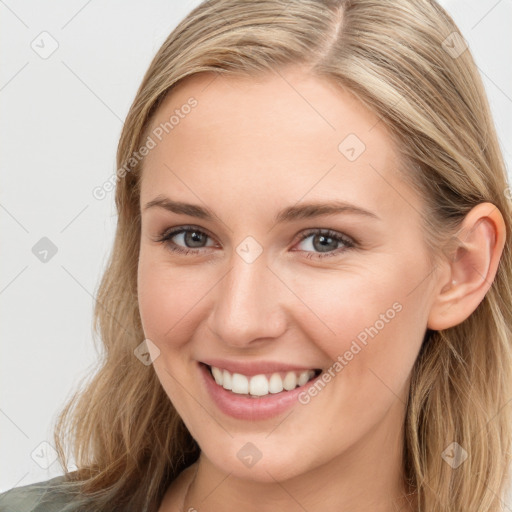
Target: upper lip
(250, 368)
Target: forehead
(285, 133)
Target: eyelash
(165, 238)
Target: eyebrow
(288, 214)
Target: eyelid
(348, 241)
(180, 229)
(301, 235)
(329, 232)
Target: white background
(60, 123)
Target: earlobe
(473, 266)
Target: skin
(249, 148)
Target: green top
(29, 498)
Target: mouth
(261, 385)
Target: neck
(368, 476)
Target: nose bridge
(248, 303)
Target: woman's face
(271, 283)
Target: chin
(245, 461)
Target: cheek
(341, 305)
(169, 300)
(166, 310)
(371, 328)
(158, 292)
(150, 297)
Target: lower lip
(246, 408)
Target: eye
(324, 239)
(188, 235)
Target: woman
(311, 254)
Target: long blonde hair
(404, 59)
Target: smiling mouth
(256, 386)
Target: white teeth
(275, 384)
(217, 375)
(240, 384)
(260, 385)
(303, 378)
(290, 381)
(226, 379)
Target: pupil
(193, 237)
(324, 247)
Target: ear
(472, 267)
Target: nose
(249, 304)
